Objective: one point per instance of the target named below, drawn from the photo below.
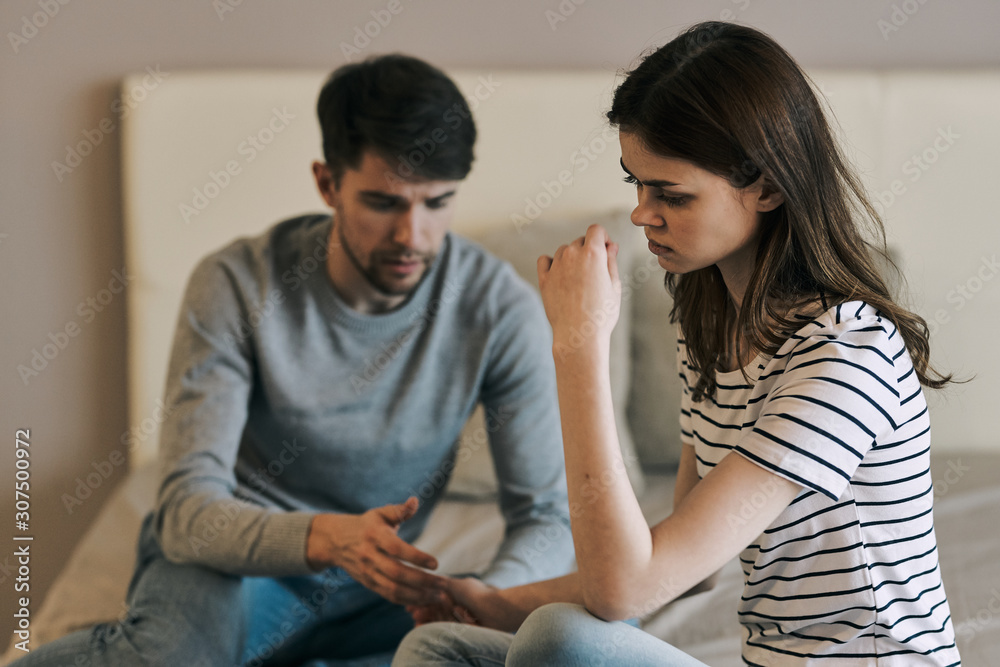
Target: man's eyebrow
(442, 196)
(654, 183)
(385, 195)
(379, 194)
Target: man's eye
(631, 180)
(380, 204)
(435, 204)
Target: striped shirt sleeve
(835, 397)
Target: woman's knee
(556, 634)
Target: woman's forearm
(612, 539)
(520, 601)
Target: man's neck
(353, 287)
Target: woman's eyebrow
(654, 183)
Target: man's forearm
(233, 536)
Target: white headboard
(209, 156)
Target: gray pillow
(474, 475)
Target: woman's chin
(670, 264)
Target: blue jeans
(193, 616)
(555, 635)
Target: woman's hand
(481, 604)
(581, 290)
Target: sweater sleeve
(198, 518)
(522, 419)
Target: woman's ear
(770, 197)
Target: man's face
(389, 229)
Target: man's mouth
(403, 266)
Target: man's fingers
(397, 514)
(400, 549)
(402, 594)
(400, 573)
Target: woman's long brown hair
(730, 100)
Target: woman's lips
(660, 250)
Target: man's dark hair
(407, 111)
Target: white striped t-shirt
(848, 573)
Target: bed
(209, 156)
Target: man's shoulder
(485, 278)
(287, 242)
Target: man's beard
(371, 274)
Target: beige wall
(61, 234)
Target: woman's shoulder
(834, 318)
(849, 329)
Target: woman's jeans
(556, 635)
(190, 616)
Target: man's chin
(391, 285)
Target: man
(320, 376)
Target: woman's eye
(673, 202)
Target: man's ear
(325, 183)
(770, 197)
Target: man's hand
(367, 547)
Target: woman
(803, 392)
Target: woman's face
(692, 217)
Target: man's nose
(406, 228)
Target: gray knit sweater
(284, 402)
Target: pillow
(654, 399)
(521, 246)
